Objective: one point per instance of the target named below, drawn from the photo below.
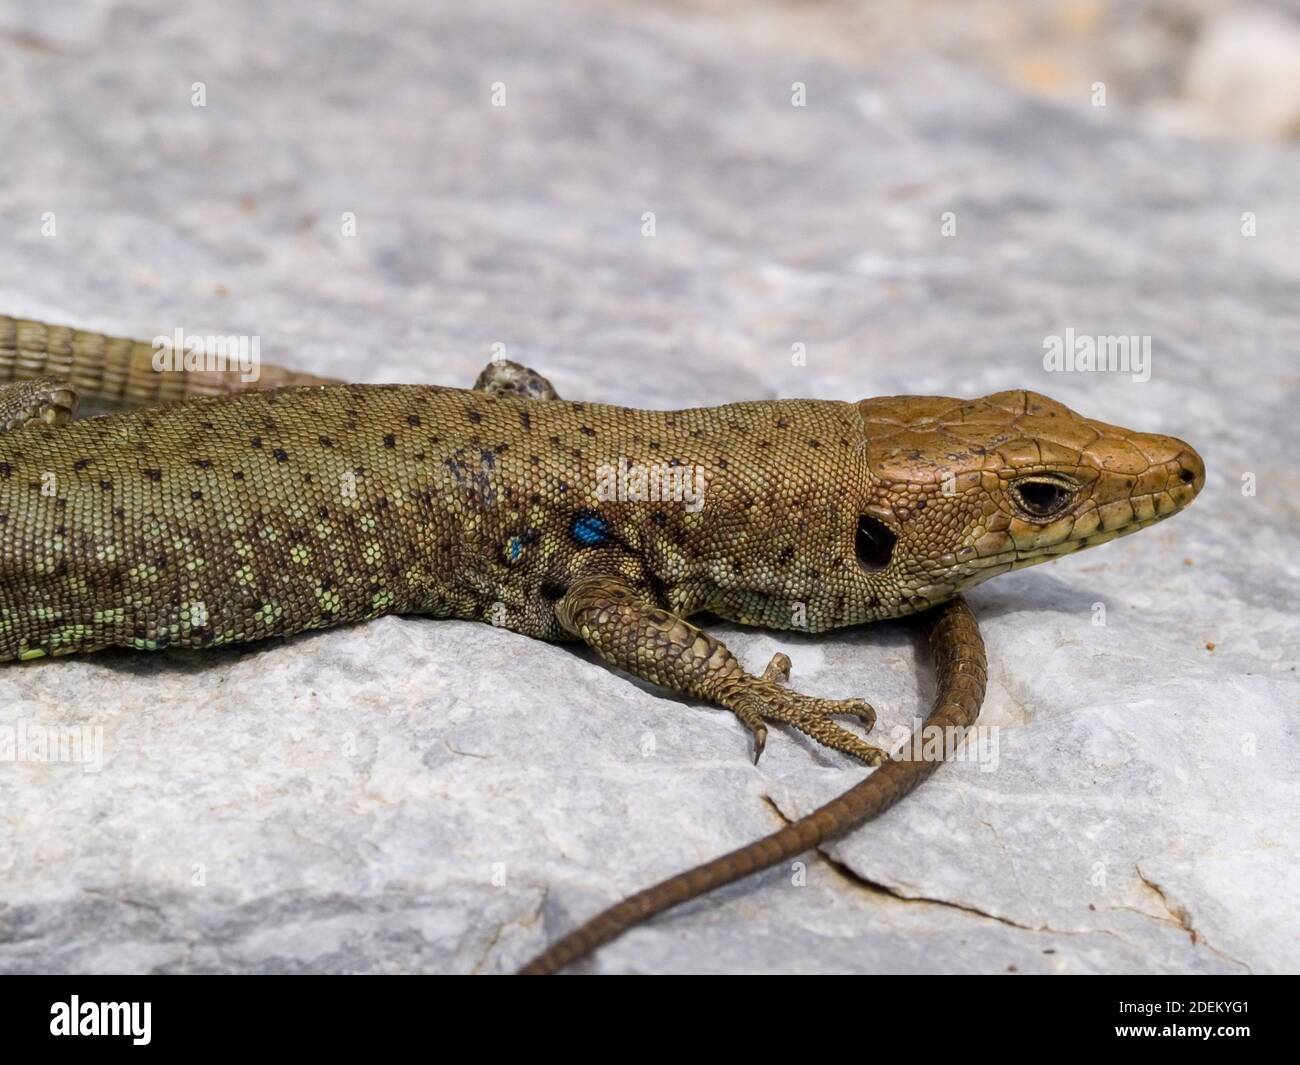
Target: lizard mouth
(1029, 543)
(1086, 529)
(1097, 522)
(1022, 558)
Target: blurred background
(392, 195)
(1194, 67)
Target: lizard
(211, 510)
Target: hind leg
(505, 378)
(42, 399)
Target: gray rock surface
(430, 796)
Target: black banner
(334, 1013)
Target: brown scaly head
(966, 489)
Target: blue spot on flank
(518, 544)
(590, 529)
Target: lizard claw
(778, 670)
(859, 708)
(761, 698)
(752, 719)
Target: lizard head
(962, 490)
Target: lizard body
(216, 515)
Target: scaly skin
(114, 370)
(232, 517)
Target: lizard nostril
(1190, 465)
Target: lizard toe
(778, 670)
(859, 708)
(829, 734)
(747, 708)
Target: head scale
(961, 490)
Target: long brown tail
(962, 675)
(117, 371)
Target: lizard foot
(757, 699)
(645, 639)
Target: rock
(1245, 71)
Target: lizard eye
(874, 543)
(1042, 497)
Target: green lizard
(213, 514)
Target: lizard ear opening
(874, 543)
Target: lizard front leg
(657, 645)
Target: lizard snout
(1191, 468)
(1183, 467)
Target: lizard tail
(121, 372)
(962, 675)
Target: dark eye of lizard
(1042, 499)
(874, 543)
